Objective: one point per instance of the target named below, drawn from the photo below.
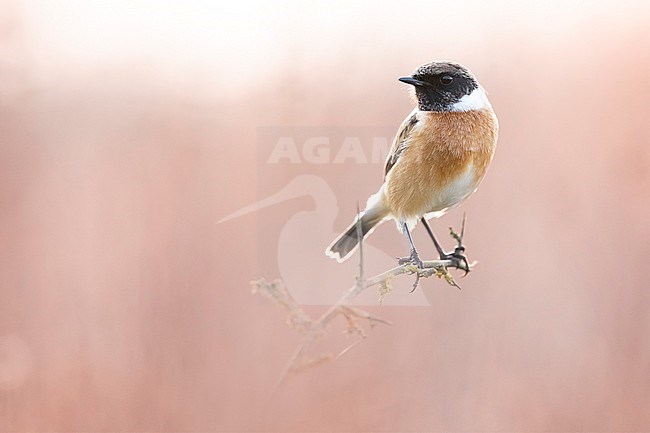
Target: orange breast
(446, 158)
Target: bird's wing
(401, 140)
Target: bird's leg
(441, 252)
(414, 258)
(457, 257)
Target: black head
(440, 85)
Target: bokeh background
(129, 128)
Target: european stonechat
(438, 158)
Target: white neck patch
(477, 100)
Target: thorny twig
(312, 329)
(459, 237)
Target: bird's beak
(412, 81)
(290, 191)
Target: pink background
(128, 129)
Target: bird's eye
(446, 80)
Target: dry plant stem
(314, 329)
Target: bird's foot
(413, 259)
(458, 259)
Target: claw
(458, 259)
(414, 259)
(415, 284)
(403, 260)
(462, 260)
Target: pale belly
(432, 199)
(452, 194)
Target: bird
(440, 154)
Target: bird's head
(446, 86)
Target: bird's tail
(347, 242)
